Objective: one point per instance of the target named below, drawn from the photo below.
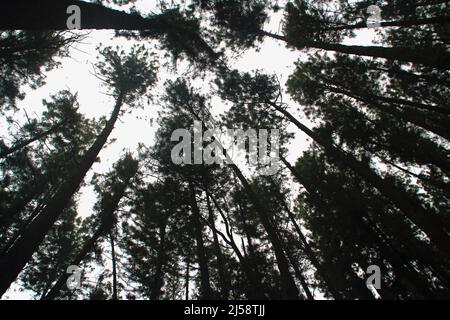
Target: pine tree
(129, 77)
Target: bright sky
(76, 75)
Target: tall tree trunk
(157, 283)
(52, 15)
(187, 277)
(89, 245)
(445, 186)
(17, 207)
(414, 117)
(25, 223)
(205, 286)
(390, 100)
(298, 273)
(251, 248)
(254, 290)
(388, 251)
(421, 217)
(34, 189)
(114, 268)
(251, 256)
(223, 278)
(290, 290)
(336, 86)
(397, 23)
(402, 268)
(411, 76)
(432, 57)
(22, 144)
(425, 257)
(12, 263)
(306, 246)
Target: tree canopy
(292, 184)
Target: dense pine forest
(354, 203)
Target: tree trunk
(411, 76)
(52, 15)
(114, 268)
(388, 250)
(25, 224)
(290, 290)
(187, 277)
(251, 255)
(205, 286)
(157, 282)
(12, 264)
(401, 266)
(88, 246)
(299, 274)
(438, 159)
(254, 290)
(432, 57)
(417, 118)
(306, 246)
(18, 206)
(224, 283)
(421, 217)
(397, 23)
(400, 102)
(395, 101)
(24, 143)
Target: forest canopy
(225, 150)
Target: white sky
(76, 75)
